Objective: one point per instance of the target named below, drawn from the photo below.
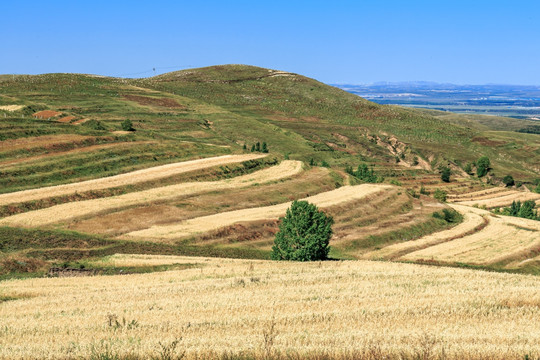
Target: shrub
(440, 195)
(483, 166)
(94, 125)
(508, 180)
(127, 125)
(304, 234)
(325, 164)
(264, 148)
(468, 168)
(423, 190)
(449, 215)
(445, 173)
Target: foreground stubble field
(346, 309)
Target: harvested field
(11, 107)
(502, 239)
(46, 114)
(345, 309)
(214, 222)
(48, 156)
(134, 177)
(68, 211)
(45, 141)
(471, 222)
(500, 199)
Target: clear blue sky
(363, 41)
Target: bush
(449, 215)
(445, 173)
(94, 125)
(440, 195)
(304, 234)
(127, 125)
(483, 166)
(508, 180)
(468, 168)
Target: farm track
(153, 173)
(213, 222)
(73, 210)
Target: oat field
(224, 308)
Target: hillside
(77, 184)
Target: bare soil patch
(163, 102)
(11, 107)
(46, 141)
(66, 119)
(46, 114)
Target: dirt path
(69, 211)
(504, 238)
(153, 173)
(216, 221)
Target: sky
(347, 42)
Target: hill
(77, 183)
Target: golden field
(226, 308)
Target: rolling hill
(77, 185)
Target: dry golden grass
(263, 308)
(470, 222)
(503, 238)
(500, 199)
(11, 107)
(153, 173)
(68, 211)
(216, 221)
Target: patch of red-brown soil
(66, 119)
(163, 102)
(487, 142)
(45, 114)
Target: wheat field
(134, 177)
(258, 309)
(73, 210)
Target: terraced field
(139, 176)
(494, 198)
(482, 239)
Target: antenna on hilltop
(154, 71)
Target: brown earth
(163, 102)
(45, 114)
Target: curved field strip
(11, 107)
(40, 141)
(504, 200)
(153, 173)
(6, 164)
(471, 221)
(474, 194)
(502, 239)
(491, 195)
(68, 211)
(216, 221)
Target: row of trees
(523, 210)
(257, 147)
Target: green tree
(508, 180)
(264, 148)
(127, 125)
(468, 168)
(304, 234)
(482, 166)
(445, 173)
(253, 148)
(244, 147)
(258, 147)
